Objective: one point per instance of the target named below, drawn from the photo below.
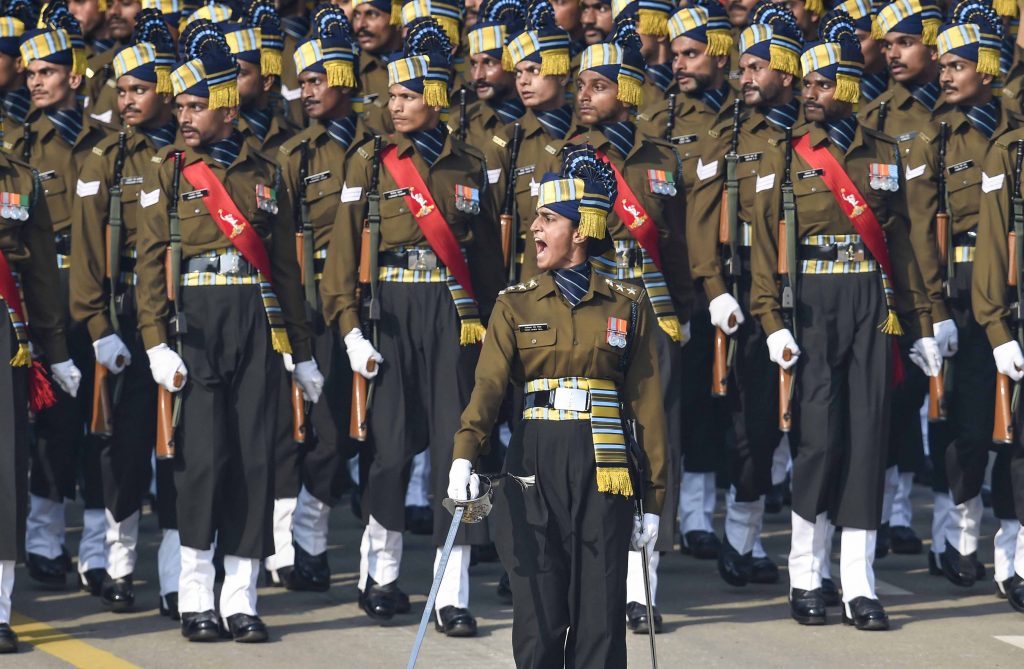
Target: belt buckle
(571, 399)
(421, 260)
(230, 265)
(849, 252)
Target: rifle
(362, 391)
(883, 111)
(26, 149)
(509, 220)
(304, 254)
(670, 124)
(728, 232)
(1006, 407)
(102, 422)
(943, 232)
(463, 122)
(168, 409)
(787, 269)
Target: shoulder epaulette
(520, 287)
(878, 135)
(469, 149)
(629, 290)
(643, 116)
(1008, 140)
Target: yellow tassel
(614, 480)
(814, 6)
(102, 5)
(396, 13)
(163, 80)
(472, 331)
(847, 88)
(450, 27)
(877, 32)
(270, 62)
(719, 43)
(435, 93)
(988, 61)
(279, 339)
(23, 358)
(223, 95)
(555, 62)
(79, 63)
(784, 60)
(506, 60)
(670, 324)
(1005, 7)
(593, 223)
(630, 91)
(340, 73)
(930, 31)
(891, 325)
(652, 22)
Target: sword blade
(650, 607)
(436, 585)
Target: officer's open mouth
(541, 245)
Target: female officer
(582, 345)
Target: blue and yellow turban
(837, 56)
(425, 65)
(496, 20)
(56, 39)
(543, 43)
(773, 35)
(704, 23)
(447, 13)
(619, 59)
(11, 30)
(210, 71)
(584, 192)
(331, 50)
(151, 57)
(911, 17)
(974, 33)
(170, 9)
(652, 15)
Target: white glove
(947, 337)
(289, 364)
(1009, 360)
(112, 353)
(164, 364)
(645, 531)
(778, 342)
(67, 376)
(684, 334)
(461, 478)
(723, 308)
(360, 352)
(925, 354)
(309, 378)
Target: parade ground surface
(707, 623)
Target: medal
(467, 199)
(266, 199)
(616, 335)
(661, 182)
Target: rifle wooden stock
(1002, 425)
(936, 398)
(106, 245)
(723, 218)
(164, 421)
(720, 362)
(168, 275)
(364, 254)
(298, 415)
(785, 390)
(299, 258)
(1011, 265)
(102, 422)
(507, 231)
(783, 264)
(942, 235)
(357, 428)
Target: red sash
(432, 224)
(228, 218)
(9, 289)
(856, 209)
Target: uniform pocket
(526, 340)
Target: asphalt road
(708, 623)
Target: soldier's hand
(947, 337)
(67, 376)
(726, 314)
(289, 364)
(645, 531)
(925, 354)
(1009, 360)
(463, 484)
(112, 353)
(778, 342)
(167, 368)
(360, 352)
(684, 334)
(309, 378)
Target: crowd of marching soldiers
(267, 238)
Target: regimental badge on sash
(662, 182)
(467, 199)
(617, 332)
(884, 177)
(14, 206)
(266, 199)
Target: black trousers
(842, 399)
(705, 418)
(906, 442)
(564, 546)
(754, 407)
(224, 470)
(672, 382)
(64, 456)
(13, 445)
(424, 384)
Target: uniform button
(813, 189)
(197, 210)
(319, 192)
(533, 341)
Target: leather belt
(62, 240)
(838, 252)
(968, 238)
(411, 259)
(228, 264)
(560, 399)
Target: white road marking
(1017, 641)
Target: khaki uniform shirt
(29, 249)
(199, 233)
(100, 87)
(279, 132)
(818, 213)
(458, 165)
(373, 81)
(905, 116)
(575, 344)
(965, 149)
(89, 218)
